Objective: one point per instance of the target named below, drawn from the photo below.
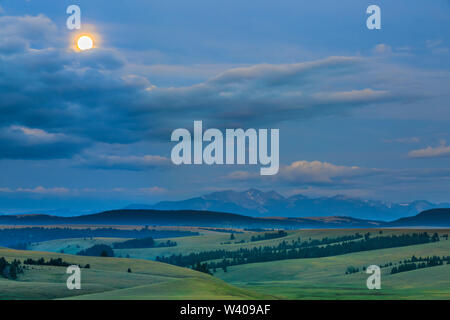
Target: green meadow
(325, 278)
(312, 278)
(108, 278)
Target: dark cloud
(93, 96)
(18, 142)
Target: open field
(211, 240)
(312, 278)
(109, 277)
(325, 278)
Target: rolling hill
(325, 278)
(187, 218)
(430, 218)
(108, 278)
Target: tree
(13, 271)
(232, 237)
(129, 270)
(202, 267)
(435, 237)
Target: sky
(362, 113)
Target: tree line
(268, 236)
(56, 262)
(297, 250)
(143, 243)
(11, 270)
(420, 263)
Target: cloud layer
(91, 97)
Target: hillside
(148, 280)
(325, 278)
(431, 218)
(306, 278)
(187, 218)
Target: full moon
(85, 43)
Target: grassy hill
(108, 278)
(313, 278)
(433, 217)
(210, 240)
(325, 278)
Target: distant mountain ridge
(185, 218)
(429, 218)
(257, 203)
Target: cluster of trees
(98, 250)
(297, 243)
(21, 238)
(10, 270)
(351, 269)
(297, 250)
(419, 263)
(268, 236)
(326, 240)
(202, 267)
(56, 262)
(143, 243)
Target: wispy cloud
(402, 140)
(431, 152)
(308, 173)
(38, 190)
(153, 190)
(382, 48)
(318, 172)
(132, 163)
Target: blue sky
(361, 112)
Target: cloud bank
(91, 97)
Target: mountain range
(258, 203)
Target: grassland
(207, 240)
(325, 278)
(317, 278)
(107, 278)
